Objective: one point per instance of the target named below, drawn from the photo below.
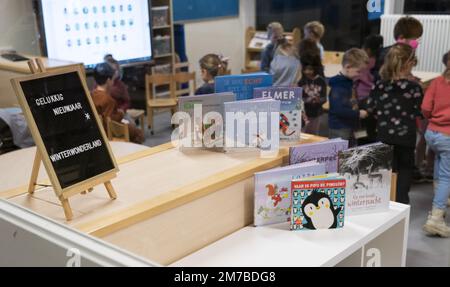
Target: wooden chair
(184, 78)
(152, 82)
(137, 114)
(117, 131)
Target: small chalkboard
(67, 130)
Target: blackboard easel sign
(67, 131)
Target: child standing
(285, 66)
(372, 46)
(275, 33)
(211, 66)
(395, 102)
(314, 31)
(407, 30)
(344, 114)
(313, 84)
(436, 108)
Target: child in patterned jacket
(395, 102)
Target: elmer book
(290, 109)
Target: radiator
(433, 44)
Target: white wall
(221, 36)
(17, 26)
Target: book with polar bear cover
(318, 203)
(273, 191)
(290, 109)
(368, 171)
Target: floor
(423, 251)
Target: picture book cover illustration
(368, 171)
(243, 85)
(318, 203)
(273, 191)
(324, 152)
(204, 133)
(290, 109)
(252, 124)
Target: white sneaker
(436, 224)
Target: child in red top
(436, 108)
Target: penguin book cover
(368, 171)
(318, 203)
(324, 152)
(290, 109)
(273, 191)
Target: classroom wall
(224, 36)
(17, 26)
(219, 35)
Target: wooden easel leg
(110, 190)
(67, 209)
(34, 173)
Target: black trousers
(403, 165)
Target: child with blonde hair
(344, 113)
(315, 30)
(395, 102)
(275, 32)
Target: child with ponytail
(395, 102)
(211, 66)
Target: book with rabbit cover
(318, 203)
(368, 171)
(290, 109)
(273, 191)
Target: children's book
(206, 120)
(318, 203)
(368, 171)
(290, 109)
(273, 191)
(324, 152)
(252, 124)
(243, 85)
